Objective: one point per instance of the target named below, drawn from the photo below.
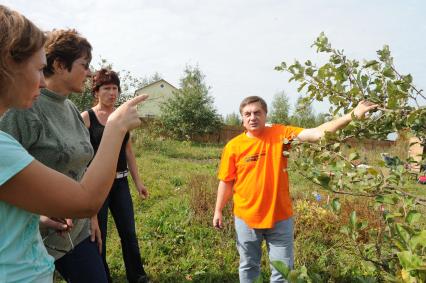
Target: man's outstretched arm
(315, 134)
(224, 193)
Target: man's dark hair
(253, 99)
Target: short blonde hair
(19, 40)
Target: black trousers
(120, 204)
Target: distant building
(159, 92)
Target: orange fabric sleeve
(227, 170)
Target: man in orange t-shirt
(253, 171)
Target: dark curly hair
(104, 76)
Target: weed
(202, 199)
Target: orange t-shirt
(257, 167)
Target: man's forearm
(315, 134)
(224, 193)
(336, 124)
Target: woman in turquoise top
(27, 187)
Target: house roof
(162, 80)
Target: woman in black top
(106, 88)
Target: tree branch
(419, 92)
(334, 191)
(418, 199)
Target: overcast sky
(236, 43)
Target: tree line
(191, 111)
(280, 112)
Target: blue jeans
(120, 203)
(82, 264)
(279, 241)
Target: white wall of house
(158, 92)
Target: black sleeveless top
(96, 131)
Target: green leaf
(361, 225)
(299, 89)
(408, 78)
(412, 216)
(315, 277)
(345, 230)
(402, 232)
(353, 156)
(389, 73)
(364, 80)
(303, 271)
(409, 261)
(372, 171)
(392, 102)
(259, 279)
(336, 146)
(335, 204)
(384, 54)
(353, 219)
(324, 180)
(418, 240)
(389, 216)
(388, 199)
(281, 267)
(370, 63)
(398, 244)
(293, 275)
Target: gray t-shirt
(54, 133)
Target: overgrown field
(178, 243)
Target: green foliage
(190, 111)
(318, 244)
(149, 80)
(397, 252)
(304, 115)
(83, 100)
(280, 110)
(301, 275)
(233, 119)
(321, 118)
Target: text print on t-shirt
(254, 158)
